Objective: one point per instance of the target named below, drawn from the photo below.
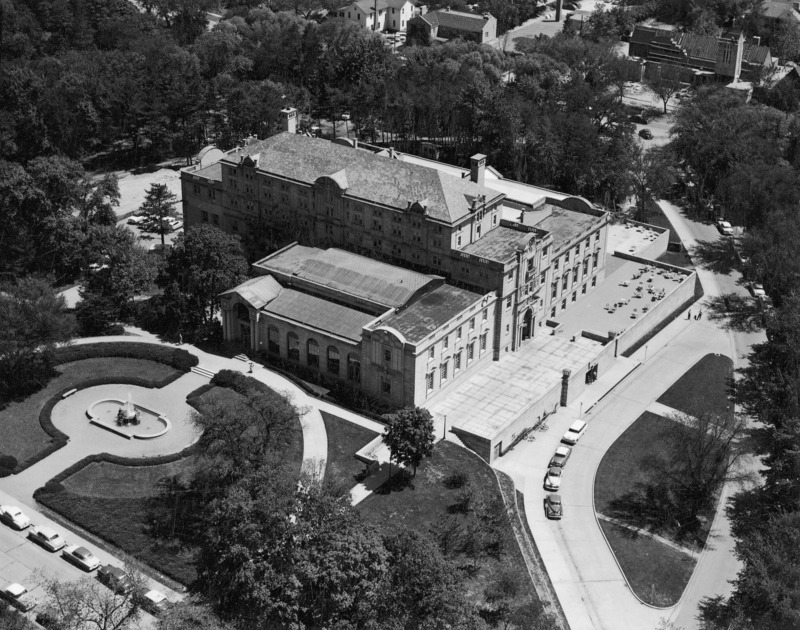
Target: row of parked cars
(553, 508)
(113, 577)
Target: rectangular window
(333, 360)
(542, 278)
(553, 312)
(215, 219)
(485, 314)
(457, 362)
(583, 289)
(595, 258)
(585, 266)
(575, 275)
(472, 324)
(431, 353)
(483, 341)
(196, 189)
(555, 264)
(563, 304)
(509, 302)
(387, 355)
(446, 342)
(564, 282)
(386, 385)
(574, 296)
(273, 343)
(458, 241)
(204, 216)
(458, 333)
(554, 292)
(470, 352)
(443, 372)
(594, 281)
(429, 381)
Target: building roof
(257, 291)
(564, 225)
(313, 312)
(349, 274)
(499, 244)
(759, 55)
(777, 10)
(374, 178)
(213, 172)
(457, 20)
(430, 312)
(368, 6)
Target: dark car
(552, 506)
(639, 119)
(154, 602)
(114, 578)
(646, 134)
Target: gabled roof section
(373, 178)
(458, 20)
(348, 273)
(756, 54)
(257, 291)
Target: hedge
(174, 357)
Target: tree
(409, 435)
(704, 451)
(204, 262)
(34, 320)
(192, 613)
(86, 604)
(652, 173)
(158, 206)
(664, 85)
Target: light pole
(444, 433)
(580, 411)
(645, 353)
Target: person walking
(689, 316)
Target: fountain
(128, 414)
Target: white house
(378, 15)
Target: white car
(47, 538)
(575, 432)
(19, 597)
(153, 601)
(552, 480)
(136, 219)
(175, 223)
(758, 290)
(12, 516)
(81, 557)
(560, 457)
(725, 228)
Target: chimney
(289, 115)
(558, 10)
(477, 165)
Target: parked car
(757, 289)
(552, 507)
(114, 578)
(346, 116)
(47, 538)
(725, 228)
(12, 516)
(575, 432)
(19, 597)
(136, 219)
(639, 119)
(81, 557)
(154, 602)
(552, 480)
(560, 457)
(175, 224)
(646, 134)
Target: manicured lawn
(105, 480)
(21, 435)
(657, 573)
(429, 504)
(703, 388)
(344, 440)
(620, 470)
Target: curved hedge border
(174, 357)
(177, 358)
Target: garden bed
(657, 573)
(432, 504)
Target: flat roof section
(348, 273)
(632, 238)
(431, 311)
(564, 225)
(313, 312)
(213, 172)
(486, 402)
(499, 244)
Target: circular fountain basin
(152, 424)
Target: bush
(8, 464)
(174, 357)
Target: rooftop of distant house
(777, 10)
(457, 20)
(430, 312)
(347, 273)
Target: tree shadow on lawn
(398, 482)
(735, 312)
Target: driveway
(592, 590)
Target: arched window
(333, 359)
(293, 347)
(354, 368)
(312, 353)
(242, 313)
(273, 340)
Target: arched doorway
(527, 325)
(243, 318)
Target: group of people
(696, 317)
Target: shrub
(174, 357)
(8, 464)
(457, 480)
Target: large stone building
(537, 251)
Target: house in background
(781, 11)
(444, 25)
(378, 15)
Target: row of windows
(577, 251)
(333, 360)
(459, 333)
(572, 298)
(575, 270)
(444, 368)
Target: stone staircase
(203, 372)
(242, 357)
(452, 437)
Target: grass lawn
(344, 440)
(657, 573)
(703, 388)
(428, 504)
(105, 480)
(23, 436)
